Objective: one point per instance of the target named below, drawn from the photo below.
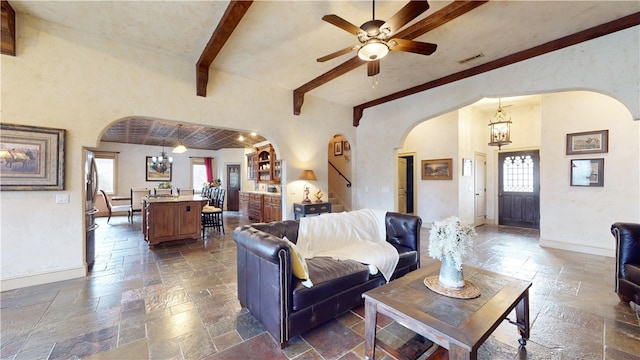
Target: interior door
(233, 187)
(480, 187)
(402, 185)
(519, 189)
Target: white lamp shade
(373, 50)
(179, 149)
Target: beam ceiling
(570, 40)
(231, 18)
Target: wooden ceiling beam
(8, 22)
(230, 19)
(438, 18)
(563, 42)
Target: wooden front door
(233, 187)
(519, 189)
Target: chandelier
(161, 163)
(500, 128)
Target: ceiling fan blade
(341, 23)
(336, 54)
(415, 47)
(373, 67)
(406, 14)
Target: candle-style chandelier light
(500, 128)
(161, 163)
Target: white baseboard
(42, 278)
(577, 248)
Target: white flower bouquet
(164, 185)
(450, 238)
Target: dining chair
(185, 192)
(136, 200)
(113, 208)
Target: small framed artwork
(159, 172)
(31, 158)
(337, 148)
(587, 172)
(438, 169)
(346, 146)
(589, 142)
(467, 168)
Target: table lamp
(307, 175)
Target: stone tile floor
(178, 301)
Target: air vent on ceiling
(471, 58)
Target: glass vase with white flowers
(450, 241)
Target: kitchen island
(169, 218)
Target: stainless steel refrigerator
(90, 210)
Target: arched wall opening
(572, 217)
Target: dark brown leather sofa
(627, 261)
(268, 289)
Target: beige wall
(579, 218)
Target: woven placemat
(468, 291)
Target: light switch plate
(62, 199)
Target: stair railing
(341, 174)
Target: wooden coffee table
(458, 325)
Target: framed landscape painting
(589, 142)
(31, 158)
(438, 169)
(163, 174)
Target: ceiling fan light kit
(374, 49)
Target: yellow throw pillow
(298, 264)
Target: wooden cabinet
(255, 207)
(275, 175)
(171, 219)
(252, 166)
(261, 207)
(243, 200)
(300, 209)
(263, 166)
(271, 208)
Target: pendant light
(500, 128)
(180, 148)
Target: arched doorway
(339, 173)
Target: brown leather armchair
(627, 261)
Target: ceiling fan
(375, 36)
